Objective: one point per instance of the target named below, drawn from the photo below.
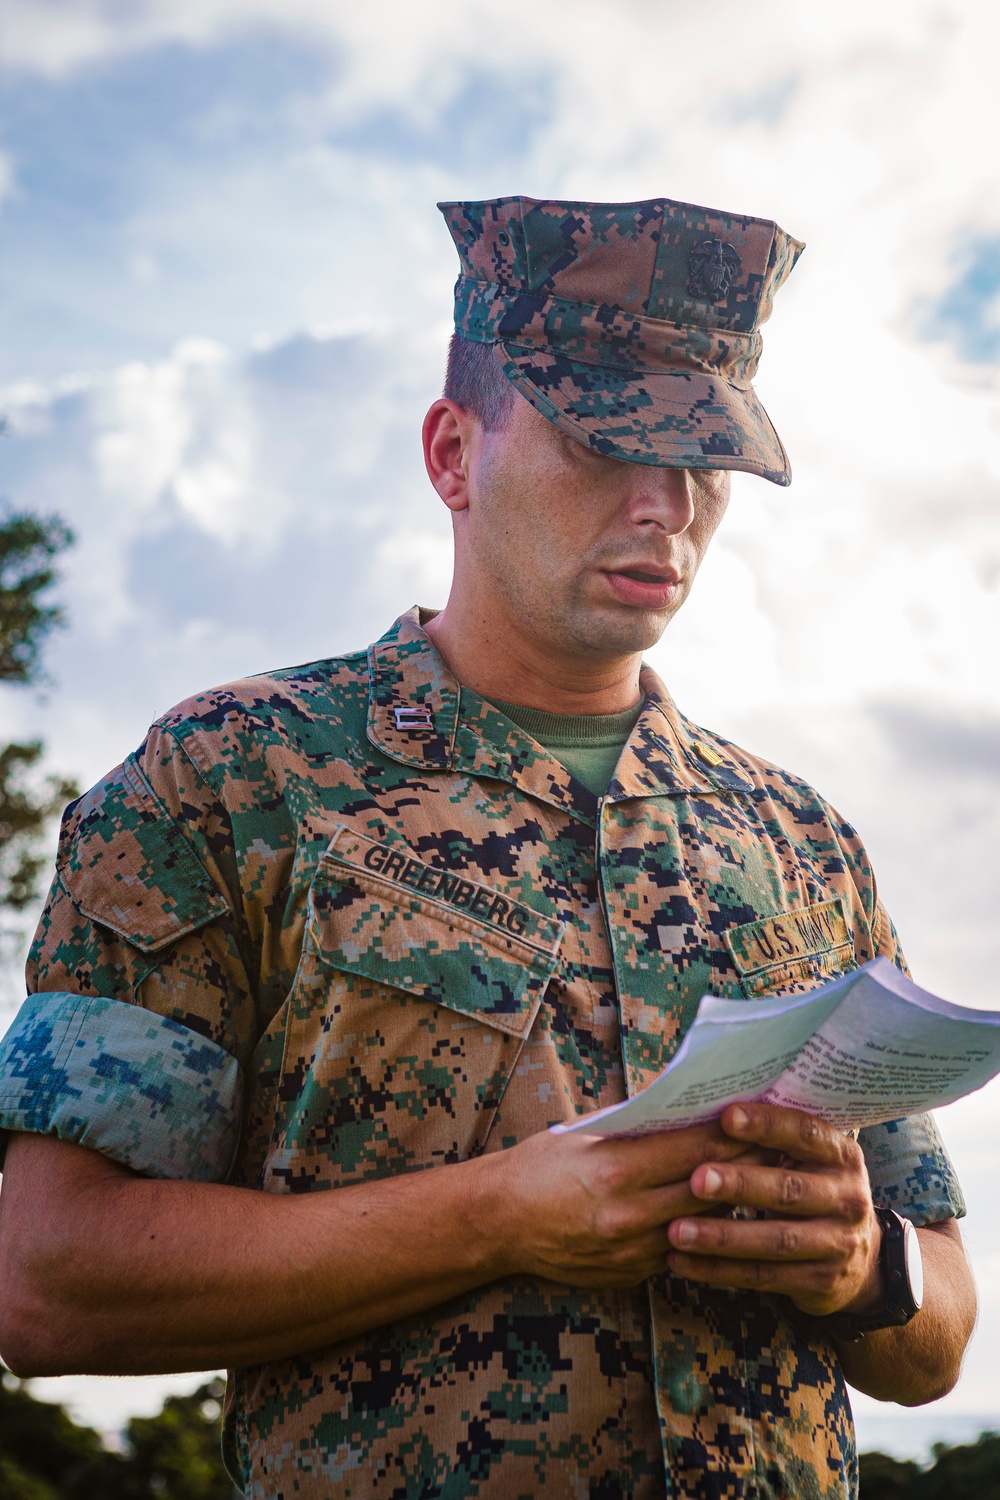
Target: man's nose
(661, 497)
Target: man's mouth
(644, 586)
(641, 575)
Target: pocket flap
(125, 863)
(377, 911)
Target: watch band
(902, 1282)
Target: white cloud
(180, 429)
(228, 509)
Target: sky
(225, 295)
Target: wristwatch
(902, 1282)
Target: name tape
(464, 895)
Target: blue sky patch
(110, 162)
(83, 145)
(967, 315)
(493, 120)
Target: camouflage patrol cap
(634, 327)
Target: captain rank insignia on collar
(414, 716)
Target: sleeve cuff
(137, 1087)
(910, 1170)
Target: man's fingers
(660, 1206)
(782, 1190)
(651, 1211)
(670, 1156)
(760, 1239)
(790, 1131)
(654, 1207)
(808, 1283)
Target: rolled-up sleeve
(137, 1087)
(140, 1016)
(910, 1170)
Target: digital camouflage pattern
(110, 1076)
(423, 943)
(634, 327)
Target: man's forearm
(133, 1276)
(921, 1361)
(108, 1272)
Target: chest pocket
(792, 951)
(416, 992)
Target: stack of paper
(867, 1047)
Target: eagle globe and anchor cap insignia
(712, 268)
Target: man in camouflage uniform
(327, 955)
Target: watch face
(914, 1263)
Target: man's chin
(617, 632)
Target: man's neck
(505, 665)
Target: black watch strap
(900, 1299)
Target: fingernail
(685, 1233)
(712, 1181)
(739, 1119)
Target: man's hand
(819, 1244)
(594, 1212)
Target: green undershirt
(588, 745)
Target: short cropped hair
(476, 382)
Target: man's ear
(448, 434)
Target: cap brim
(679, 419)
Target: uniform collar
(420, 716)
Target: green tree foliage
(176, 1455)
(25, 809)
(43, 1454)
(968, 1472)
(885, 1478)
(28, 547)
